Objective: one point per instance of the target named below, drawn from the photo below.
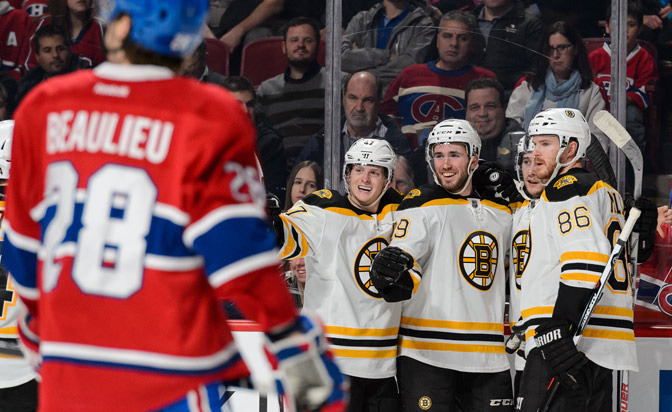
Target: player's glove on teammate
(310, 374)
(390, 276)
(515, 343)
(559, 351)
(645, 226)
(490, 177)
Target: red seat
(263, 59)
(652, 116)
(218, 56)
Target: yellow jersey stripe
(9, 330)
(364, 354)
(539, 310)
(451, 347)
(347, 331)
(599, 185)
(609, 334)
(290, 246)
(446, 202)
(614, 311)
(593, 256)
(497, 206)
(446, 324)
(582, 277)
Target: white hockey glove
(311, 377)
(516, 341)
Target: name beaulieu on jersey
(140, 138)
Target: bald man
(361, 98)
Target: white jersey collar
(132, 72)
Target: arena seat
(218, 56)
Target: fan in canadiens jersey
(134, 207)
(530, 188)
(446, 262)
(572, 229)
(339, 236)
(18, 387)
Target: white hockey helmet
(370, 152)
(6, 130)
(566, 124)
(453, 131)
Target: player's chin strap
(559, 165)
(520, 185)
(470, 173)
(374, 203)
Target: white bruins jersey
(339, 243)
(455, 319)
(14, 369)
(519, 254)
(573, 228)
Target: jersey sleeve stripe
(614, 311)
(347, 331)
(89, 354)
(580, 277)
(175, 264)
(539, 310)
(609, 334)
(215, 217)
(452, 347)
(446, 324)
(242, 267)
(233, 240)
(295, 245)
(584, 256)
(21, 241)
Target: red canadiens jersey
(15, 29)
(88, 45)
(34, 8)
(138, 209)
(640, 70)
(423, 95)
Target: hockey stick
(622, 139)
(597, 294)
(600, 162)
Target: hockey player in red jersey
(134, 207)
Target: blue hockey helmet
(167, 27)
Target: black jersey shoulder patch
(576, 182)
(325, 198)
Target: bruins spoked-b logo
(425, 402)
(363, 263)
(520, 247)
(478, 259)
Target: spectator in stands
(269, 140)
(196, 66)
(485, 111)
(54, 58)
(9, 88)
(361, 98)
(582, 15)
(509, 40)
(305, 178)
(294, 100)
(403, 176)
(386, 39)
(563, 79)
(84, 32)
(4, 102)
(425, 94)
(640, 70)
(15, 30)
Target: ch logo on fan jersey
(363, 263)
(436, 107)
(478, 259)
(520, 247)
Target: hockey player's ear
(474, 163)
(570, 151)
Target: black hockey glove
(490, 177)
(560, 352)
(274, 209)
(645, 226)
(389, 274)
